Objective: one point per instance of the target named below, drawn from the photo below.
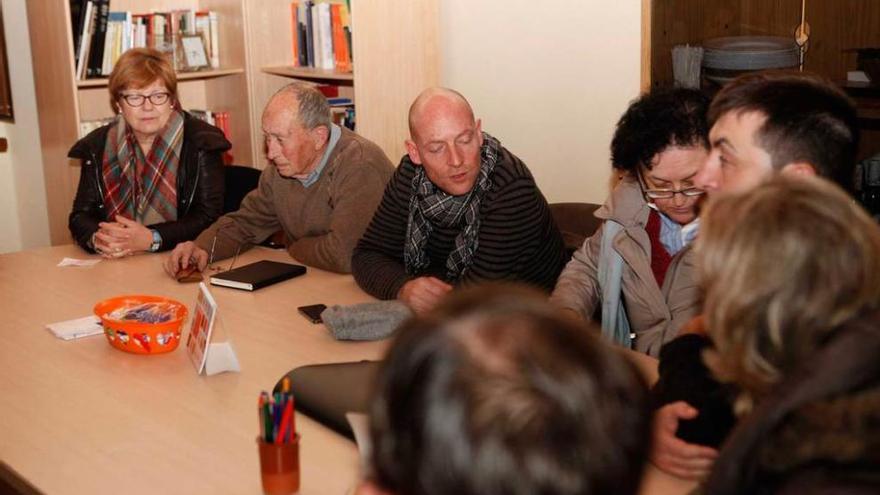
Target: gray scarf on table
(429, 206)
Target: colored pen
(285, 423)
(267, 408)
(260, 411)
(292, 418)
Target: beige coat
(655, 313)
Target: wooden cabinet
(837, 27)
(395, 57)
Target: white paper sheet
(74, 329)
(76, 262)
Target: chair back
(239, 181)
(576, 222)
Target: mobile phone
(312, 312)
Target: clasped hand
(123, 237)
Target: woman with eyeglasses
(637, 268)
(153, 177)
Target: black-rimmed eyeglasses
(688, 192)
(138, 100)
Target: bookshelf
(395, 51)
(394, 45)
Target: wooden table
(81, 417)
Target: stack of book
(321, 32)
(219, 120)
(342, 112)
(87, 126)
(101, 36)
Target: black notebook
(257, 275)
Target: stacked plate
(724, 58)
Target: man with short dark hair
(324, 183)
(495, 393)
(460, 209)
(762, 124)
(779, 122)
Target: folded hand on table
(123, 237)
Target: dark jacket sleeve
(684, 377)
(207, 202)
(377, 261)
(88, 206)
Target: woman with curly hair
(791, 272)
(637, 266)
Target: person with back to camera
(650, 220)
(153, 177)
(493, 392)
(792, 278)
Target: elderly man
(761, 125)
(459, 209)
(323, 184)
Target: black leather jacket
(199, 185)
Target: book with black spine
(257, 275)
(96, 52)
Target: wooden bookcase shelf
(255, 51)
(310, 73)
(181, 76)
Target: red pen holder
(279, 467)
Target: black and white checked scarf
(430, 205)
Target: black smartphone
(312, 312)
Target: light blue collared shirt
(314, 175)
(673, 235)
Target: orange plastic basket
(140, 337)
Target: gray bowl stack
(725, 58)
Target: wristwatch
(157, 241)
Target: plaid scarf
(429, 205)
(136, 183)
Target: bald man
(459, 209)
(324, 183)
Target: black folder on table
(325, 392)
(257, 275)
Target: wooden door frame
(646, 46)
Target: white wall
(24, 221)
(549, 79)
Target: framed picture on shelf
(193, 53)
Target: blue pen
(277, 416)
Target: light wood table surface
(80, 417)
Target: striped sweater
(518, 239)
